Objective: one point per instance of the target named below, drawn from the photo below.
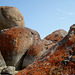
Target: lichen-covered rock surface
(37, 50)
(58, 60)
(10, 17)
(56, 36)
(22, 49)
(15, 42)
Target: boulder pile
(58, 60)
(23, 52)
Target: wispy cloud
(65, 12)
(61, 18)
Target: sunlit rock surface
(15, 42)
(10, 17)
(56, 36)
(37, 50)
(58, 60)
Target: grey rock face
(2, 62)
(10, 70)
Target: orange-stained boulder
(10, 17)
(40, 46)
(37, 50)
(15, 42)
(56, 36)
(58, 60)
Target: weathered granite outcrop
(56, 36)
(15, 42)
(10, 17)
(36, 51)
(22, 47)
(58, 60)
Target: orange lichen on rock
(37, 50)
(58, 60)
(34, 50)
(15, 42)
(39, 46)
(56, 36)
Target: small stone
(9, 70)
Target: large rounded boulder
(56, 36)
(10, 17)
(15, 42)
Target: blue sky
(45, 16)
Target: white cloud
(65, 12)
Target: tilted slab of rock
(59, 60)
(15, 42)
(10, 17)
(37, 50)
(56, 36)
